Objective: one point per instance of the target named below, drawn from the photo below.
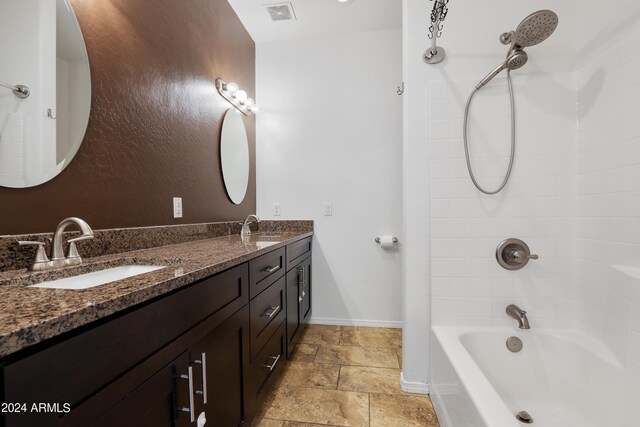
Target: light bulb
(241, 96)
(231, 87)
(254, 108)
(249, 102)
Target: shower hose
(513, 139)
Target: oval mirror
(42, 48)
(234, 155)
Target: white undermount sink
(262, 245)
(97, 278)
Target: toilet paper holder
(395, 240)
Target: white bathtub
(560, 378)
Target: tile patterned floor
(347, 377)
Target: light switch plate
(328, 209)
(276, 209)
(177, 207)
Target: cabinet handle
(301, 276)
(271, 269)
(190, 409)
(273, 365)
(203, 363)
(299, 299)
(304, 294)
(271, 311)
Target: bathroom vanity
(204, 337)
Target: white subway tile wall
(605, 300)
(574, 195)
(468, 285)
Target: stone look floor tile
(308, 405)
(321, 334)
(305, 374)
(401, 411)
(293, 424)
(363, 364)
(304, 352)
(360, 356)
(371, 337)
(369, 380)
(266, 423)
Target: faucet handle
(78, 239)
(41, 256)
(73, 257)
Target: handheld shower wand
(515, 60)
(534, 29)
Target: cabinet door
(162, 401)
(305, 291)
(220, 362)
(294, 280)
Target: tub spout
(520, 315)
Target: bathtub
(559, 377)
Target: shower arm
(20, 91)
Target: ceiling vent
(281, 11)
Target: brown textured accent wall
(154, 131)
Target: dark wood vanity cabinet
(210, 349)
(298, 290)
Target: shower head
(536, 28)
(515, 60)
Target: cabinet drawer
(297, 251)
(265, 370)
(265, 270)
(98, 354)
(268, 310)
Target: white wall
(27, 48)
(470, 36)
(606, 301)
(330, 130)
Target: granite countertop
(29, 316)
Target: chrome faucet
(58, 259)
(246, 231)
(520, 315)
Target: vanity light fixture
(237, 97)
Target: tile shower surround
(117, 240)
(605, 302)
(468, 285)
(574, 196)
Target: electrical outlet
(328, 209)
(276, 209)
(177, 207)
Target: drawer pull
(271, 311)
(203, 363)
(271, 269)
(273, 365)
(190, 409)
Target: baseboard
(413, 387)
(355, 322)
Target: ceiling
(318, 18)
